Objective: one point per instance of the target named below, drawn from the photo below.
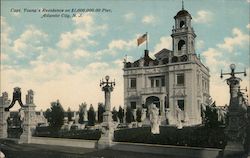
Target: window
(133, 105)
(182, 23)
(174, 59)
(163, 81)
(152, 82)
(180, 79)
(157, 83)
(198, 80)
(133, 83)
(181, 44)
(181, 104)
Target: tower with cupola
(183, 34)
(176, 81)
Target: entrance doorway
(153, 99)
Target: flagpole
(147, 41)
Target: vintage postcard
(109, 71)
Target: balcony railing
(153, 90)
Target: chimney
(145, 53)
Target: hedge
(188, 136)
(86, 134)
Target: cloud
(62, 81)
(122, 44)
(217, 58)
(30, 41)
(238, 39)
(212, 57)
(80, 53)
(203, 16)
(248, 26)
(68, 38)
(116, 46)
(5, 32)
(129, 16)
(148, 19)
(4, 56)
(85, 28)
(200, 44)
(165, 42)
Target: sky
(65, 57)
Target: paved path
(12, 150)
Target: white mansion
(174, 78)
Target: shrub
(72, 134)
(129, 115)
(138, 114)
(121, 114)
(91, 116)
(188, 136)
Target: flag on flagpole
(141, 39)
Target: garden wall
(175, 151)
(64, 142)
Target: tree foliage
(129, 115)
(138, 114)
(211, 116)
(91, 116)
(82, 108)
(55, 116)
(121, 114)
(115, 115)
(100, 112)
(69, 114)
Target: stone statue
(85, 114)
(21, 115)
(77, 119)
(2, 154)
(154, 119)
(178, 117)
(29, 97)
(134, 114)
(168, 117)
(143, 114)
(221, 112)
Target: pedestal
(3, 122)
(236, 133)
(107, 117)
(107, 135)
(28, 124)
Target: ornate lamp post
(237, 115)
(107, 125)
(107, 87)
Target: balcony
(153, 90)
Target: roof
(182, 13)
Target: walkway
(13, 150)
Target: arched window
(182, 24)
(174, 59)
(181, 44)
